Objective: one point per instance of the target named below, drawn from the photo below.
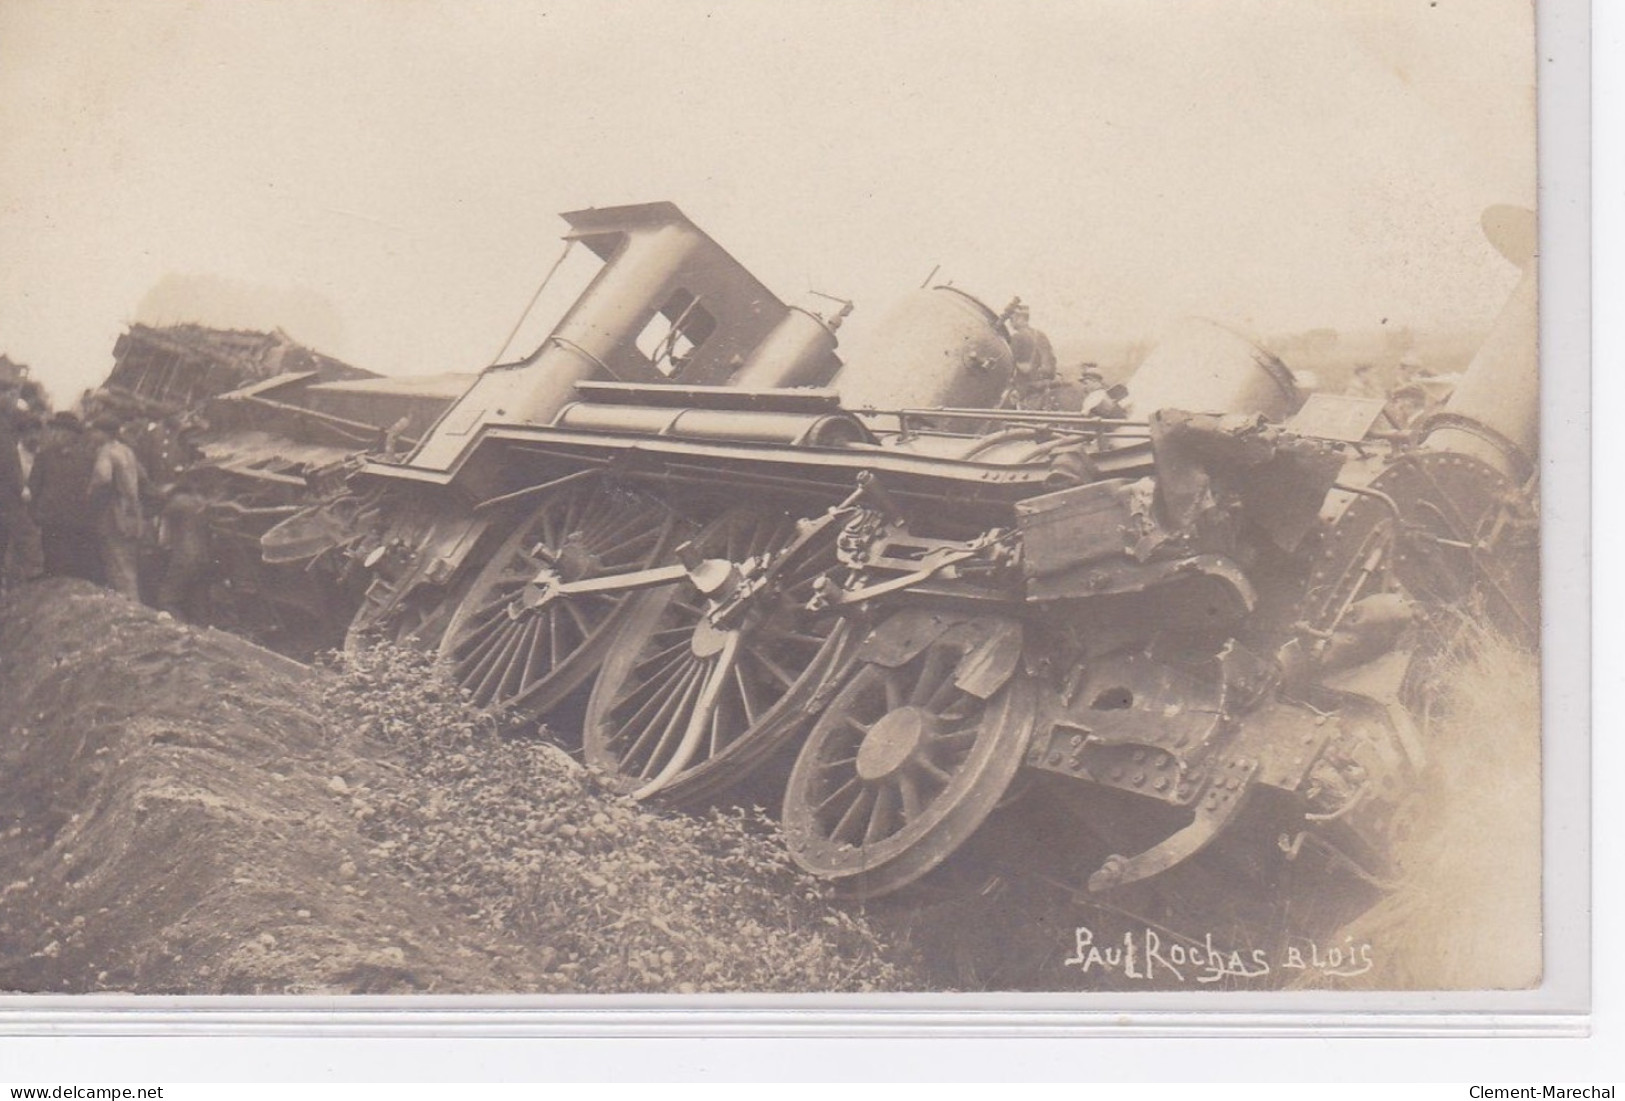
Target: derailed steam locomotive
(747, 548)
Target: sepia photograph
(724, 498)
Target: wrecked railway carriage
(254, 428)
(686, 505)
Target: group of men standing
(71, 498)
(1035, 383)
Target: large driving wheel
(902, 768)
(700, 688)
(515, 639)
(1471, 541)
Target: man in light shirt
(116, 484)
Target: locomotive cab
(668, 305)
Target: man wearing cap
(1407, 406)
(115, 500)
(1034, 355)
(1100, 400)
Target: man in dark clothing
(59, 487)
(15, 525)
(26, 561)
(1033, 354)
(183, 531)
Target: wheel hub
(894, 741)
(541, 589)
(574, 562)
(708, 640)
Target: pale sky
(383, 178)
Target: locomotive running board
(799, 400)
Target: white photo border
(1562, 1006)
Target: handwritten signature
(1145, 955)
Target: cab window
(675, 331)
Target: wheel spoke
(604, 525)
(554, 649)
(870, 707)
(631, 549)
(476, 642)
(781, 534)
(615, 545)
(490, 672)
(800, 637)
(650, 656)
(931, 770)
(568, 614)
(894, 690)
(488, 613)
(573, 609)
(497, 598)
(745, 700)
(880, 815)
(847, 825)
(570, 522)
(549, 523)
(513, 681)
(640, 693)
(779, 674)
(650, 714)
(542, 650)
(909, 789)
(679, 635)
(839, 793)
(689, 609)
(713, 739)
(663, 715)
(955, 741)
(652, 680)
(678, 722)
(701, 713)
(936, 661)
(942, 695)
(474, 664)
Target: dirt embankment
(181, 812)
